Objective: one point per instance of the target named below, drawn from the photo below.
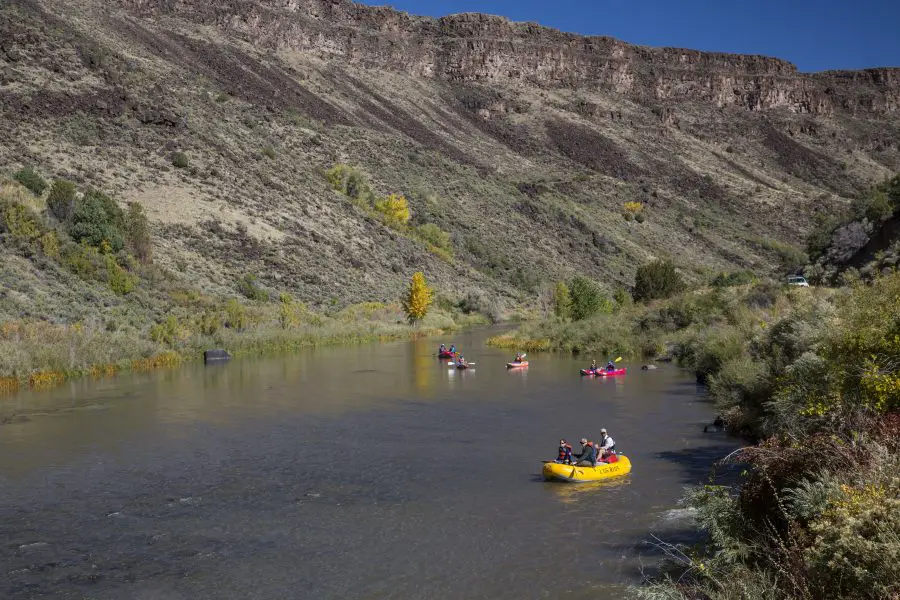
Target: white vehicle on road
(797, 280)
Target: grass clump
(31, 179)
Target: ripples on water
(365, 472)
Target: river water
(353, 472)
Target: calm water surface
(364, 472)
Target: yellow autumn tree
(418, 298)
(394, 209)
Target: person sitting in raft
(610, 366)
(452, 348)
(565, 453)
(518, 357)
(442, 349)
(461, 361)
(606, 448)
(593, 365)
(588, 456)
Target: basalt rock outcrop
(484, 48)
(522, 150)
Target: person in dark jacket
(588, 456)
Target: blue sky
(828, 34)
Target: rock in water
(215, 356)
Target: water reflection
(422, 359)
(357, 472)
(569, 493)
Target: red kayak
(446, 354)
(603, 372)
(517, 365)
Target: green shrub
(856, 548)
(97, 219)
(61, 201)
(658, 279)
(248, 286)
(351, 183)
(180, 160)
(434, 235)
(235, 315)
(31, 180)
(19, 222)
(120, 281)
(706, 352)
(269, 152)
(167, 332)
(740, 382)
(82, 260)
(622, 298)
(587, 299)
(562, 300)
(137, 232)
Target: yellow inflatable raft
(554, 471)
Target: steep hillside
(522, 142)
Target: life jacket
(565, 452)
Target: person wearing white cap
(606, 446)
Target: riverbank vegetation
(818, 512)
(123, 312)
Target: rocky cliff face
(484, 48)
(521, 143)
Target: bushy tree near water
(587, 299)
(658, 279)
